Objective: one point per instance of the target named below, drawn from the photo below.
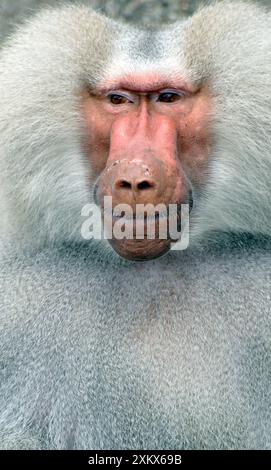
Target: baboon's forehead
(147, 51)
(155, 44)
(147, 46)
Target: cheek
(96, 139)
(194, 141)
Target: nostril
(145, 185)
(135, 185)
(123, 184)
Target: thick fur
(96, 352)
(170, 354)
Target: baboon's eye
(117, 99)
(169, 96)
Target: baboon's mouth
(142, 234)
(144, 237)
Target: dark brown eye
(118, 99)
(168, 97)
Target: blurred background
(145, 11)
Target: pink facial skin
(145, 137)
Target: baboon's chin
(140, 250)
